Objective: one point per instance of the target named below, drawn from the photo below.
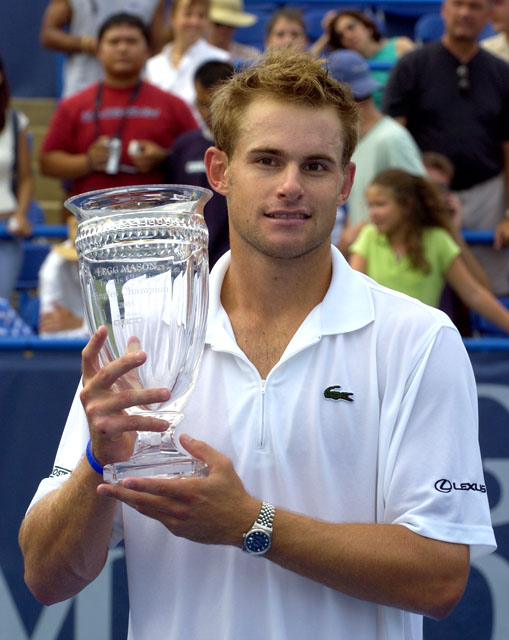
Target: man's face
(123, 51)
(287, 33)
(284, 180)
(500, 15)
(465, 19)
(202, 102)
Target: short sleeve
(434, 482)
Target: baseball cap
(230, 13)
(350, 67)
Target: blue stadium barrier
(39, 379)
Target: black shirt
(466, 124)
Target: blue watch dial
(257, 542)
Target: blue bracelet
(92, 461)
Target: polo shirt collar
(347, 305)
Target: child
(185, 163)
(408, 245)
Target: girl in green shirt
(409, 245)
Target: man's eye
(267, 162)
(315, 166)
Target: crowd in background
(432, 158)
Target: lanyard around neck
(98, 101)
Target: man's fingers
(121, 400)
(115, 425)
(91, 352)
(105, 377)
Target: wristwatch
(257, 540)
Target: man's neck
(369, 116)
(464, 50)
(267, 300)
(277, 286)
(121, 82)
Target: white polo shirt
(369, 416)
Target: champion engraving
(446, 486)
(334, 394)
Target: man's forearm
(386, 564)
(66, 166)
(64, 537)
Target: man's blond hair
(288, 76)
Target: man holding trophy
(336, 418)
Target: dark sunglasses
(463, 79)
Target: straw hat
(230, 13)
(67, 248)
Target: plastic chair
(28, 280)
(430, 27)
(255, 34)
(313, 19)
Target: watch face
(257, 542)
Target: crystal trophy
(143, 265)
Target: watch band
(266, 515)
(258, 539)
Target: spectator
(16, 188)
(186, 161)
(286, 28)
(383, 142)
(11, 324)
(352, 29)
(117, 132)
(61, 312)
(71, 26)
(461, 112)
(408, 246)
(440, 171)
(225, 17)
(328, 410)
(173, 69)
(499, 43)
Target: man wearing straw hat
(225, 17)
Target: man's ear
(348, 176)
(216, 165)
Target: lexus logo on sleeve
(446, 486)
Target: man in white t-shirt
(337, 418)
(499, 43)
(383, 144)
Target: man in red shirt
(117, 132)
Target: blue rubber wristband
(92, 461)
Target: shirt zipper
(261, 439)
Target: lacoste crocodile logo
(334, 394)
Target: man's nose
(291, 183)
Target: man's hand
(212, 510)
(98, 153)
(112, 429)
(59, 319)
(502, 235)
(148, 156)
(18, 225)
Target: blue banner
(36, 391)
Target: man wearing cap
(225, 16)
(383, 143)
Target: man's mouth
(288, 215)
